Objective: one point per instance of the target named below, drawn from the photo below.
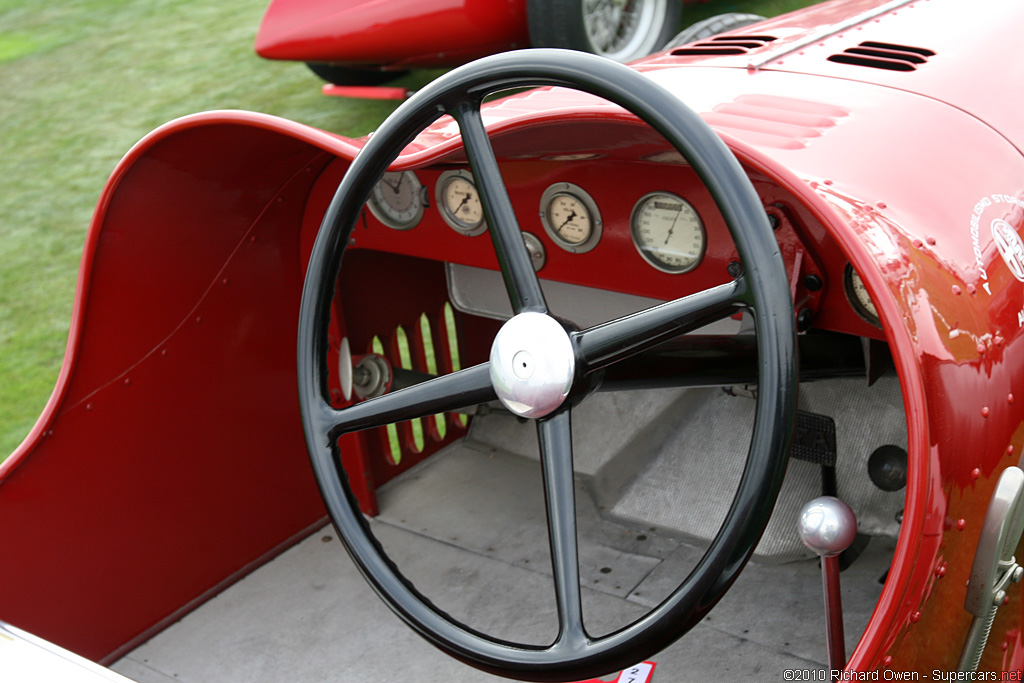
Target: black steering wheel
(540, 369)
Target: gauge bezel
(654, 261)
(534, 246)
(381, 213)
(456, 224)
(584, 198)
(855, 303)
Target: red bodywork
(174, 429)
(398, 33)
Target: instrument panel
(641, 227)
(666, 230)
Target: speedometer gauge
(397, 200)
(570, 217)
(667, 232)
(459, 202)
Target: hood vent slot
(724, 45)
(884, 56)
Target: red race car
(368, 42)
(712, 361)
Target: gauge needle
(465, 198)
(567, 221)
(395, 186)
(672, 229)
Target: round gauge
(535, 248)
(460, 202)
(667, 232)
(397, 200)
(858, 296)
(570, 217)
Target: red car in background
(368, 42)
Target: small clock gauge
(397, 200)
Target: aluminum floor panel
(469, 528)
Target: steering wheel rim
(761, 288)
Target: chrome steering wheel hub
(532, 364)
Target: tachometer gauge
(667, 232)
(858, 296)
(570, 217)
(397, 200)
(459, 201)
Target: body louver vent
(725, 45)
(777, 122)
(884, 56)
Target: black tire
(563, 23)
(348, 75)
(712, 26)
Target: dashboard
(666, 229)
(644, 227)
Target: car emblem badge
(1010, 246)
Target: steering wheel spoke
(555, 436)
(446, 393)
(521, 280)
(619, 339)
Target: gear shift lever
(828, 526)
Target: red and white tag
(641, 673)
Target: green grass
(695, 11)
(80, 82)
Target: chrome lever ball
(827, 526)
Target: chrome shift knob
(827, 526)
